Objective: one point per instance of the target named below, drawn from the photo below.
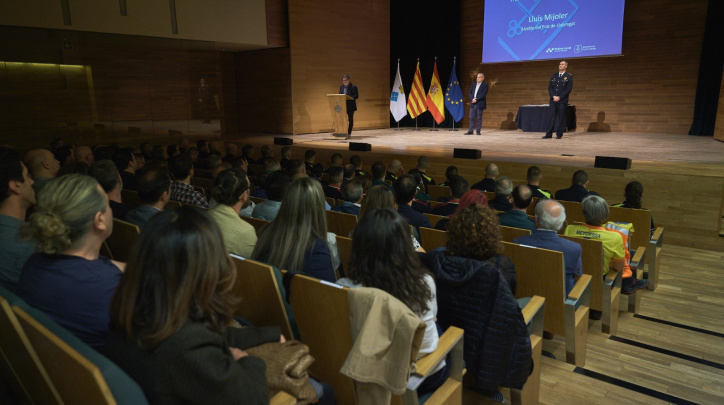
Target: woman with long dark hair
(171, 313)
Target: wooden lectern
(338, 109)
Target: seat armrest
(656, 237)
(282, 398)
(447, 342)
(612, 278)
(639, 257)
(533, 314)
(580, 288)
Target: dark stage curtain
(710, 72)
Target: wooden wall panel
(277, 22)
(719, 127)
(329, 39)
(649, 89)
(265, 91)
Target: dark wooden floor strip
(633, 387)
(668, 352)
(679, 325)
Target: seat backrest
(489, 195)
(203, 182)
(320, 307)
(641, 220)
(257, 200)
(592, 258)
(509, 233)
(340, 224)
(434, 219)
(541, 272)
(574, 212)
(21, 365)
(122, 238)
(172, 205)
(257, 223)
(331, 201)
(431, 239)
(261, 302)
(438, 192)
(77, 380)
(344, 246)
(130, 197)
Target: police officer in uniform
(559, 87)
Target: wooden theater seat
(434, 219)
(122, 238)
(339, 223)
(509, 233)
(130, 197)
(431, 239)
(257, 223)
(344, 246)
(541, 272)
(437, 192)
(320, 306)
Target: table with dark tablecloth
(534, 118)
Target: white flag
(398, 105)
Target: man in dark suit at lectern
(477, 94)
(351, 90)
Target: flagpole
(433, 124)
(398, 71)
(453, 69)
(398, 127)
(416, 125)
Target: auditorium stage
(574, 149)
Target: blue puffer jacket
(472, 295)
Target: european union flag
(454, 101)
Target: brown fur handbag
(286, 368)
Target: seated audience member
(68, 279)
(230, 193)
(365, 180)
(352, 192)
(63, 154)
(203, 147)
(382, 197)
(356, 161)
(246, 151)
(102, 152)
(154, 192)
(231, 150)
(423, 163)
(172, 151)
(405, 189)
(140, 161)
(193, 152)
(85, 154)
(578, 189)
(421, 195)
(334, 188)
(470, 197)
(450, 172)
(185, 145)
(475, 234)
(270, 166)
(471, 275)
(335, 160)
(517, 217)
(173, 337)
(534, 175)
(383, 258)
(458, 187)
(146, 149)
(286, 158)
(632, 194)
(266, 152)
(297, 239)
(159, 153)
(73, 168)
(16, 196)
(615, 244)
(349, 173)
(106, 174)
(394, 170)
(42, 166)
(549, 218)
(182, 191)
(126, 165)
(276, 187)
(378, 175)
(296, 169)
(310, 156)
(488, 182)
(503, 190)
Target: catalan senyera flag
(454, 97)
(435, 100)
(416, 102)
(397, 97)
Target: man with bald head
(517, 217)
(84, 154)
(394, 170)
(549, 218)
(488, 182)
(43, 166)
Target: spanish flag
(435, 99)
(416, 102)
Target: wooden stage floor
(574, 149)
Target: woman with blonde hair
(171, 313)
(67, 278)
(297, 239)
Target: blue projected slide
(517, 30)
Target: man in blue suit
(549, 218)
(349, 89)
(477, 94)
